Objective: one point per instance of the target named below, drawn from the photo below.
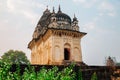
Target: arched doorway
(67, 51)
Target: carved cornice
(64, 32)
(57, 32)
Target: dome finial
(53, 10)
(59, 9)
(47, 8)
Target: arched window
(57, 53)
(77, 55)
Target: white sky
(99, 18)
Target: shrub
(30, 74)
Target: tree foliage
(14, 57)
(80, 75)
(30, 74)
(94, 76)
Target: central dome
(49, 19)
(47, 15)
(63, 17)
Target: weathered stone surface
(56, 40)
(53, 48)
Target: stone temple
(56, 40)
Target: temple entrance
(66, 54)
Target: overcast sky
(100, 19)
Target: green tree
(14, 57)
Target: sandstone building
(56, 39)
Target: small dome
(44, 20)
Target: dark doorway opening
(66, 54)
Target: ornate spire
(59, 10)
(75, 19)
(74, 15)
(47, 7)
